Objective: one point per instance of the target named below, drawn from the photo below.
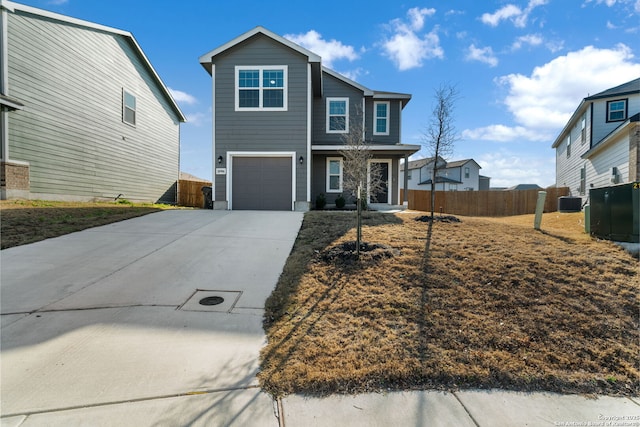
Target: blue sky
(521, 66)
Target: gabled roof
(604, 142)
(624, 89)
(524, 187)
(207, 58)
(627, 88)
(440, 180)
(12, 7)
(459, 163)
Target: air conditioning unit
(613, 175)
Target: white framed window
(128, 108)
(617, 110)
(337, 115)
(381, 119)
(261, 88)
(569, 145)
(334, 175)
(583, 130)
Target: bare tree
(440, 134)
(361, 176)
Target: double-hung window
(128, 108)
(583, 130)
(334, 175)
(261, 88)
(337, 115)
(569, 145)
(466, 172)
(617, 110)
(381, 111)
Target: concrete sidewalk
(104, 328)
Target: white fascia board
(579, 111)
(206, 58)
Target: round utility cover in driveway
(261, 183)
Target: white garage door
(261, 183)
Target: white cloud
(484, 54)
(406, 47)
(507, 169)
(543, 102)
(330, 50)
(529, 39)
(513, 13)
(502, 133)
(183, 97)
(198, 119)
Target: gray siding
(261, 131)
(601, 128)
(333, 88)
(70, 79)
(394, 122)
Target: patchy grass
(29, 221)
(485, 303)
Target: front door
(380, 194)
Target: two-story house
(84, 114)
(279, 122)
(458, 175)
(600, 145)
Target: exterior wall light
(219, 160)
(301, 160)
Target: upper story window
(569, 145)
(583, 130)
(337, 115)
(617, 110)
(334, 175)
(128, 108)
(466, 172)
(381, 111)
(261, 88)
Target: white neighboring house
(459, 175)
(599, 146)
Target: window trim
(376, 117)
(583, 129)
(346, 123)
(261, 88)
(568, 145)
(125, 107)
(625, 110)
(328, 188)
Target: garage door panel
(261, 183)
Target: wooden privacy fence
(484, 203)
(190, 193)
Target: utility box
(615, 212)
(569, 204)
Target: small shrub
(340, 202)
(321, 201)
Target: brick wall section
(14, 176)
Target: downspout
(309, 126)
(405, 200)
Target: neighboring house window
(409, 174)
(583, 180)
(616, 110)
(381, 110)
(569, 145)
(453, 187)
(261, 88)
(466, 172)
(583, 130)
(337, 115)
(334, 175)
(128, 108)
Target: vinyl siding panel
(333, 88)
(70, 79)
(394, 122)
(601, 128)
(599, 166)
(261, 131)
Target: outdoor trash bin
(207, 193)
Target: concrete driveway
(104, 326)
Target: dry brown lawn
(485, 303)
(29, 221)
